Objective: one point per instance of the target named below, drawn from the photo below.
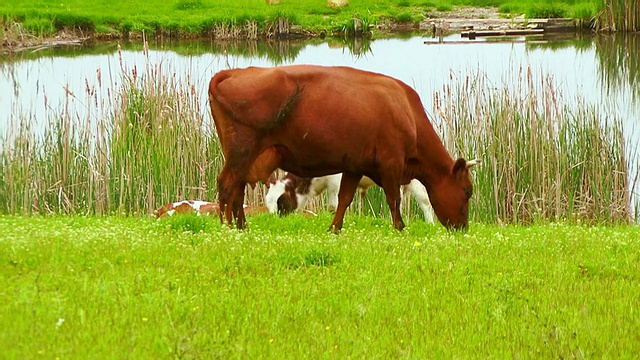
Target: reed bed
(619, 15)
(543, 159)
(142, 144)
(149, 140)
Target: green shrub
(187, 5)
(584, 11)
(405, 17)
(76, 21)
(40, 27)
(511, 8)
(547, 10)
(444, 7)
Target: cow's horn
(473, 162)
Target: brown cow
(315, 121)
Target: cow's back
(344, 120)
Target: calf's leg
(420, 194)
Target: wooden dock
(472, 34)
(528, 27)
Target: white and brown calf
(291, 193)
(199, 207)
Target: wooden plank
(517, 32)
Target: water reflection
(618, 63)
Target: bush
(546, 10)
(40, 27)
(189, 5)
(584, 11)
(76, 21)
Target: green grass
(187, 18)
(126, 287)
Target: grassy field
(252, 17)
(187, 287)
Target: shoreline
(437, 24)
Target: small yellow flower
(144, 319)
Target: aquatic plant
(618, 15)
(543, 159)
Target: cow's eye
(468, 192)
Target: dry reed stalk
(619, 15)
(543, 160)
(153, 147)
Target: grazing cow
(316, 121)
(292, 192)
(199, 208)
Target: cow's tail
(214, 93)
(286, 107)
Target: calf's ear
(271, 181)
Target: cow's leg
(394, 200)
(225, 194)
(391, 186)
(231, 197)
(348, 187)
(238, 206)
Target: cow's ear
(459, 167)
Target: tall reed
(146, 142)
(543, 159)
(619, 15)
(160, 146)
(149, 140)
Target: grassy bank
(251, 18)
(129, 287)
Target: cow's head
(450, 197)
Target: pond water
(39, 84)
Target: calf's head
(450, 196)
(281, 197)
